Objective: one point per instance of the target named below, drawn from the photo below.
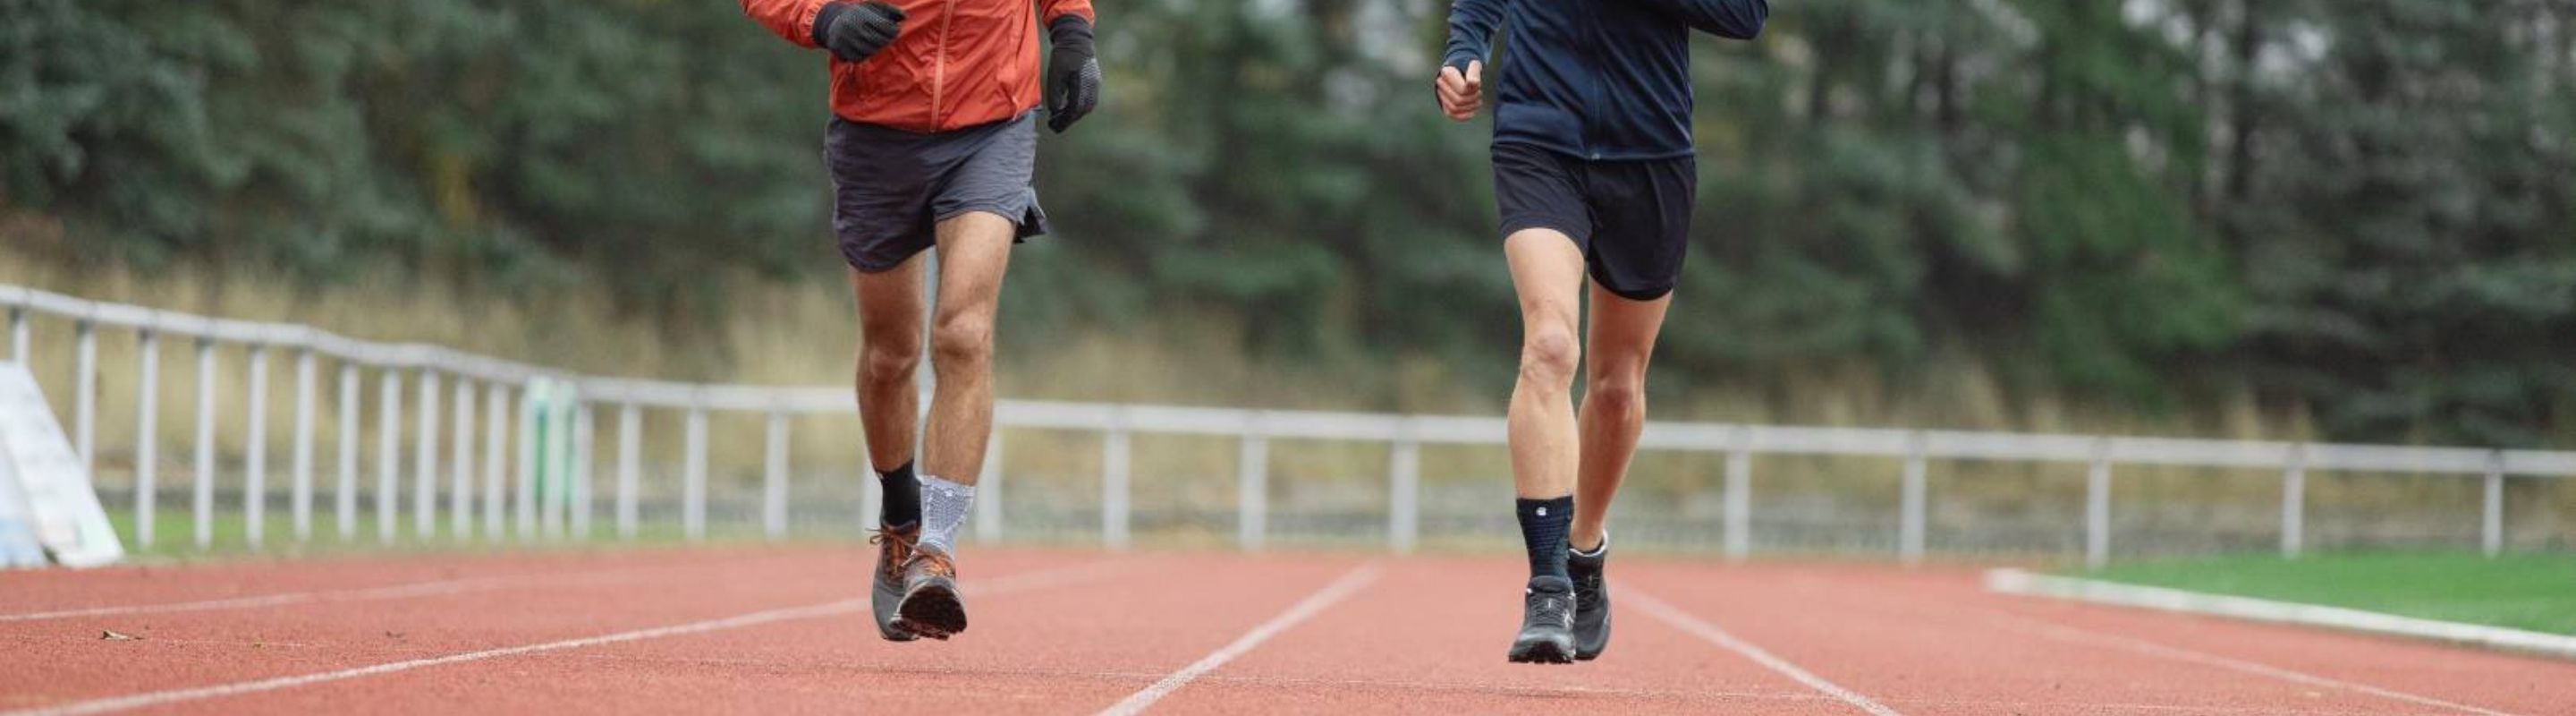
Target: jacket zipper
(939, 62)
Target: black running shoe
(1591, 601)
(931, 606)
(1547, 623)
(895, 546)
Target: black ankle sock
(902, 497)
(1543, 528)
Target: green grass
(2522, 591)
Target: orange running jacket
(957, 63)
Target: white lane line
(2060, 632)
(1332, 593)
(1682, 620)
(396, 591)
(1016, 582)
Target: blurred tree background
(2362, 212)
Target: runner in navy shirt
(1594, 171)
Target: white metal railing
(1405, 434)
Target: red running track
(785, 631)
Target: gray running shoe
(931, 606)
(1591, 601)
(895, 546)
(1547, 623)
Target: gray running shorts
(891, 188)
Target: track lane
(2430, 675)
(1073, 648)
(1425, 635)
(1932, 641)
(1429, 637)
(64, 660)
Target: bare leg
(974, 252)
(1622, 341)
(1547, 272)
(890, 305)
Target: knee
(889, 360)
(1549, 356)
(1617, 393)
(962, 339)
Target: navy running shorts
(1631, 219)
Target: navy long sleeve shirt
(1597, 79)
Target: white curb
(2021, 582)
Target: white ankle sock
(944, 506)
(1597, 550)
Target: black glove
(1073, 74)
(856, 31)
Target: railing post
(1115, 469)
(255, 453)
(554, 457)
(496, 457)
(773, 495)
(2294, 502)
(1739, 495)
(693, 485)
(1915, 508)
(85, 397)
(2491, 533)
(988, 489)
(388, 452)
(1252, 489)
(345, 501)
(147, 436)
(18, 336)
(2097, 506)
(1404, 488)
(460, 480)
(424, 494)
(205, 492)
(301, 461)
(630, 430)
(583, 440)
(523, 503)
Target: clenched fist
(856, 31)
(1462, 91)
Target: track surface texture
(785, 631)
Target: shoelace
(938, 564)
(1587, 589)
(1549, 608)
(899, 548)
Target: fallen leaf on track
(114, 635)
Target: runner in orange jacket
(958, 63)
(933, 142)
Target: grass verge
(2536, 592)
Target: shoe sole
(1543, 651)
(888, 622)
(933, 611)
(891, 632)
